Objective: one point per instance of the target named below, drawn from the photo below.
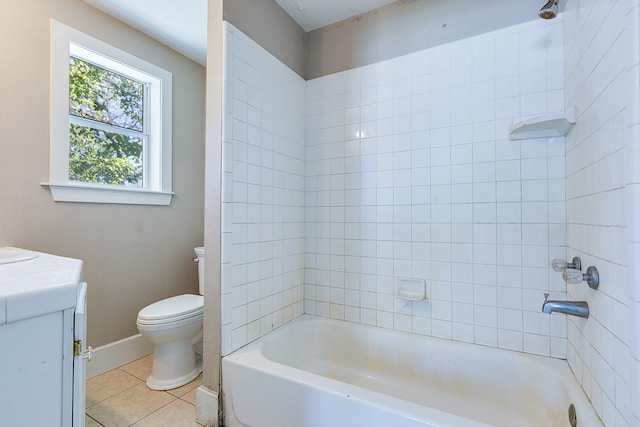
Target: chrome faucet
(574, 308)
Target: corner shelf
(550, 126)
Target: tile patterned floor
(120, 398)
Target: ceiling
(312, 14)
(182, 25)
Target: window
(110, 123)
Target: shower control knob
(561, 265)
(573, 276)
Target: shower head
(549, 10)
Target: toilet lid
(174, 308)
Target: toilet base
(174, 365)
(155, 384)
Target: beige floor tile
(190, 397)
(140, 368)
(90, 422)
(181, 391)
(108, 384)
(176, 414)
(129, 407)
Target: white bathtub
(316, 372)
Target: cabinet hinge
(77, 350)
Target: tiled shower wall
(263, 192)
(405, 170)
(410, 173)
(601, 49)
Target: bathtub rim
(251, 356)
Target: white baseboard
(116, 354)
(206, 407)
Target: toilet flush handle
(195, 259)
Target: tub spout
(573, 308)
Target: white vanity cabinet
(42, 309)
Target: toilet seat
(172, 309)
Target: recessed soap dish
(412, 289)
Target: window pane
(96, 156)
(99, 94)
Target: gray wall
(134, 255)
(400, 28)
(407, 26)
(271, 27)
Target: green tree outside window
(106, 144)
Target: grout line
(89, 416)
(120, 392)
(173, 397)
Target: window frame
(156, 189)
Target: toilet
(174, 326)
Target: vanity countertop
(35, 283)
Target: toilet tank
(200, 256)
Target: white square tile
(485, 295)
(485, 273)
(534, 190)
(533, 104)
(534, 168)
(509, 234)
(509, 212)
(537, 344)
(484, 233)
(441, 328)
(461, 193)
(536, 323)
(535, 212)
(484, 71)
(484, 172)
(533, 81)
(484, 134)
(484, 213)
(484, 192)
(510, 340)
(461, 75)
(483, 91)
(506, 108)
(462, 134)
(510, 276)
(463, 332)
(535, 234)
(462, 173)
(462, 313)
(509, 255)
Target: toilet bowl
(174, 326)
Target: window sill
(100, 194)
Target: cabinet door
(31, 372)
(79, 361)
